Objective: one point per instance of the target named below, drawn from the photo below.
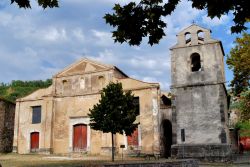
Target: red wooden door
(133, 138)
(34, 141)
(80, 137)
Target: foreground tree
(144, 19)
(241, 104)
(43, 3)
(239, 62)
(115, 112)
(135, 21)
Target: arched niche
(195, 62)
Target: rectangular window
(137, 104)
(36, 114)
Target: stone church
(190, 121)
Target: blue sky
(35, 43)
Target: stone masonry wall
(7, 114)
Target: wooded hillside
(16, 89)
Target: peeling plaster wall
(24, 126)
(199, 112)
(199, 104)
(199, 97)
(67, 102)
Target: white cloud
(78, 34)
(106, 56)
(184, 14)
(53, 34)
(102, 38)
(215, 21)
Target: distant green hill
(17, 89)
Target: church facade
(55, 120)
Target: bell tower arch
(200, 98)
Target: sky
(35, 43)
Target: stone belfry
(199, 96)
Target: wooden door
(133, 138)
(80, 137)
(34, 141)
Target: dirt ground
(16, 160)
(33, 160)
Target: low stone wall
(210, 152)
(174, 163)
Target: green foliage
(43, 3)
(239, 62)
(17, 89)
(135, 21)
(115, 112)
(244, 128)
(242, 104)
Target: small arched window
(188, 37)
(195, 62)
(200, 35)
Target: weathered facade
(7, 115)
(200, 98)
(193, 124)
(52, 120)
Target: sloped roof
(38, 94)
(86, 65)
(131, 83)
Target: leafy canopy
(144, 19)
(239, 62)
(244, 106)
(135, 21)
(115, 112)
(43, 3)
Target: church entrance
(34, 141)
(80, 137)
(167, 137)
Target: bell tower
(199, 96)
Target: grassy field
(34, 160)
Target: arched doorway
(34, 141)
(80, 137)
(167, 137)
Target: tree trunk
(113, 152)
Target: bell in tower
(199, 96)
